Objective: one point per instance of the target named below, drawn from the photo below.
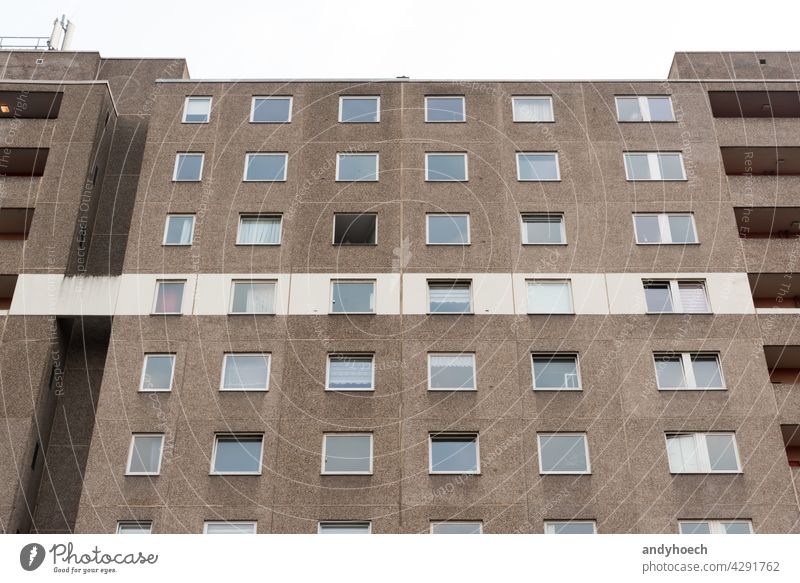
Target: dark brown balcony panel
(768, 222)
(761, 160)
(7, 285)
(30, 104)
(755, 103)
(783, 363)
(23, 161)
(791, 440)
(15, 223)
(775, 290)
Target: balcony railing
(30, 43)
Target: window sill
(692, 389)
(166, 313)
(536, 121)
(670, 244)
(432, 390)
(271, 122)
(643, 121)
(448, 244)
(557, 389)
(154, 391)
(454, 473)
(657, 179)
(329, 390)
(250, 474)
(544, 244)
(447, 181)
(346, 473)
(539, 180)
(736, 473)
(541, 473)
(252, 314)
(263, 180)
(221, 390)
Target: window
(237, 454)
(169, 297)
(715, 527)
(449, 297)
(537, 166)
(344, 527)
(245, 372)
(702, 453)
(253, 297)
(673, 296)
(350, 372)
(179, 230)
(532, 109)
(549, 296)
(571, 527)
(451, 372)
(359, 109)
(645, 109)
(543, 229)
(444, 109)
(688, 371)
(454, 453)
(446, 167)
(456, 527)
(563, 453)
(271, 110)
(357, 167)
(352, 297)
(355, 229)
(555, 372)
(15, 223)
(134, 527)
(347, 453)
(221, 527)
(197, 110)
(654, 166)
(157, 372)
(259, 230)
(188, 167)
(144, 457)
(664, 228)
(447, 229)
(259, 167)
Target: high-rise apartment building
(399, 306)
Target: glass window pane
(134, 527)
(344, 528)
(571, 527)
(452, 371)
(706, 371)
(454, 454)
(246, 371)
(253, 298)
(533, 109)
(359, 110)
(197, 110)
(350, 372)
(179, 230)
(741, 527)
(272, 110)
(238, 455)
(446, 167)
(266, 167)
(722, 452)
(542, 229)
(259, 231)
(448, 229)
(353, 297)
(549, 297)
(537, 166)
(169, 297)
(188, 167)
(681, 229)
(456, 528)
(693, 296)
(445, 298)
(669, 372)
(444, 109)
(145, 454)
(695, 528)
(158, 372)
(682, 454)
(637, 167)
(230, 528)
(354, 229)
(357, 167)
(660, 109)
(671, 166)
(658, 297)
(628, 108)
(563, 453)
(555, 372)
(647, 229)
(348, 453)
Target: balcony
(791, 441)
(783, 363)
(772, 236)
(775, 292)
(761, 160)
(30, 104)
(25, 162)
(7, 285)
(15, 223)
(769, 104)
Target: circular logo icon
(31, 556)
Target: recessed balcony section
(30, 104)
(791, 441)
(755, 103)
(783, 363)
(761, 160)
(7, 285)
(26, 162)
(15, 223)
(775, 292)
(782, 222)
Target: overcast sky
(553, 39)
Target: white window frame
(453, 282)
(675, 295)
(157, 472)
(550, 525)
(655, 168)
(463, 108)
(177, 160)
(166, 228)
(285, 165)
(428, 229)
(367, 523)
(155, 297)
(186, 106)
(543, 472)
(664, 229)
(558, 167)
(366, 214)
(571, 311)
(715, 526)
(552, 355)
(466, 165)
(238, 436)
(688, 371)
(434, 523)
(374, 295)
(144, 372)
(361, 355)
(644, 108)
(252, 523)
(454, 435)
(369, 472)
(271, 97)
(523, 230)
(225, 356)
(701, 452)
(377, 99)
(234, 283)
(140, 523)
(514, 109)
(376, 155)
(452, 389)
(259, 216)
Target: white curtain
(351, 372)
(693, 297)
(682, 453)
(254, 298)
(534, 110)
(260, 231)
(246, 371)
(449, 295)
(549, 297)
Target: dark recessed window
(352, 229)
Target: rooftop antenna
(61, 37)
